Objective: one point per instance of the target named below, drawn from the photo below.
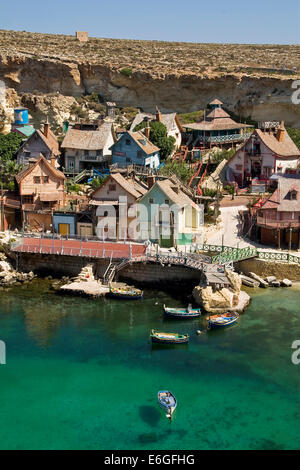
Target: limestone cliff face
(170, 75)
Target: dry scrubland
(155, 57)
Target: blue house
(135, 148)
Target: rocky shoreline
(9, 277)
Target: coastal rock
(247, 281)
(276, 283)
(235, 280)
(259, 279)
(286, 283)
(271, 279)
(5, 266)
(221, 301)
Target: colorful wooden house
(114, 202)
(216, 129)
(87, 148)
(134, 148)
(268, 151)
(170, 120)
(278, 220)
(40, 142)
(168, 216)
(40, 190)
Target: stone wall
(51, 265)
(155, 274)
(266, 268)
(150, 273)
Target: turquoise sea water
(81, 374)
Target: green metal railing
(229, 254)
(283, 257)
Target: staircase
(86, 274)
(81, 176)
(113, 269)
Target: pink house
(268, 151)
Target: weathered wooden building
(40, 191)
(268, 151)
(40, 142)
(87, 148)
(114, 206)
(169, 216)
(277, 222)
(135, 148)
(216, 129)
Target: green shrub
(74, 188)
(190, 118)
(97, 182)
(127, 72)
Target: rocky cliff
(253, 81)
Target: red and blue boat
(222, 320)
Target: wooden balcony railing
(277, 224)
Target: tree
(180, 169)
(9, 144)
(295, 135)
(159, 137)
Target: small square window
(128, 142)
(167, 201)
(112, 187)
(151, 200)
(37, 180)
(46, 179)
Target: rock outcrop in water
(227, 299)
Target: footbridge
(119, 255)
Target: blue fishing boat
(226, 319)
(182, 312)
(167, 402)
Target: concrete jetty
(90, 289)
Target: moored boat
(167, 402)
(225, 319)
(125, 293)
(182, 312)
(168, 338)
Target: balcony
(270, 223)
(225, 138)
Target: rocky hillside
(47, 71)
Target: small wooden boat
(182, 312)
(125, 293)
(167, 402)
(168, 338)
(225, 319)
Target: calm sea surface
(81, 374)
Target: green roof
(25, 130)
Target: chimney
(280, 132)
(147, 128)
(158, 115)
(150, 181)
(47, 129)
(53, 160)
